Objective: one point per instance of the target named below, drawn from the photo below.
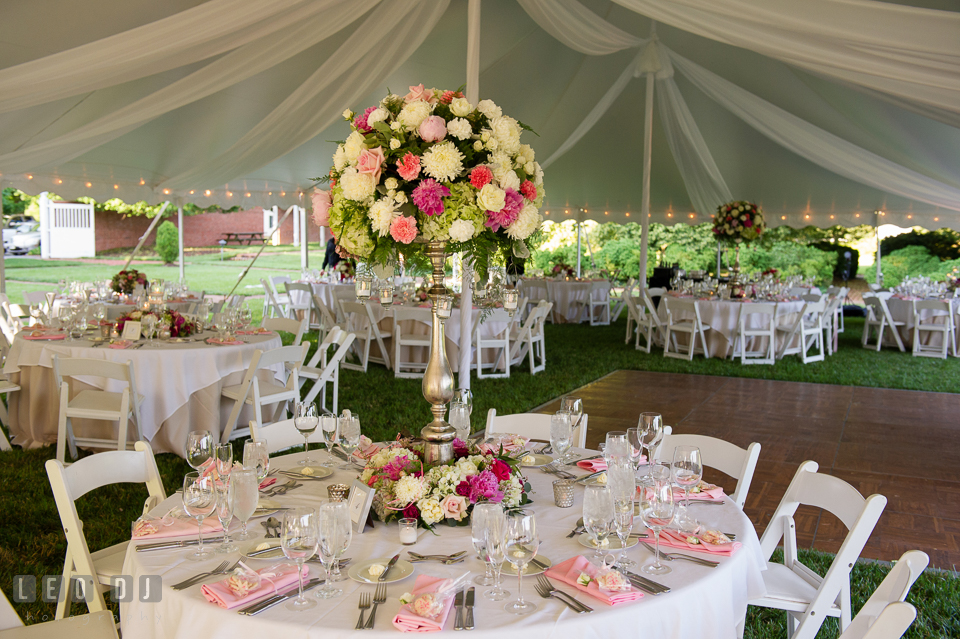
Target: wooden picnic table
(244, 238)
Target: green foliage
(842, 261)
(814, 235)
(789, 259)
(910, 262)
(943, 244)
(168, 242)
(15, 201)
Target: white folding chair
(93, 625)
(324, 369)
(693, 327)
(296, 327)
(839, 292)
(499, 343)
(652, 328)
(283, 300)
(325, 317)
(747, 334)
(620, 301)
(417, 344)
(271, 307)
(282, 435)
(807, 330)
(886, 615)
(936, 309)
(532, 425)
(634, 317)
(6, 386)
(259, 391)
(537, 291)
(797, 291)
(720, 454)
(831, 328)
(122, 407)
(530, 338)
(359, 320)
(879, 318)
(72, 483)
(10, 324)
(812, 297)
(599, 300)
(807, 597)
(301, 299)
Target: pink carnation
(403, 229)
(419, 93)
(371, 161)
(506, 216)
(480, 176)
(321, 207)
(360, 122)
(428, 196)
(529, 190)
(409, 166)
(448, 96)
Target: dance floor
(902, 444)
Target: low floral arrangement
(127, 280)
(407, 487)
(738, 222)
(346, 268)
(180, 326)
(772, 272)
(430, 166)
(563, 270)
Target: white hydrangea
(430, 511)
(459, 128)
(460, 107)
(386, 455)
(353, 146)
(512, 492)
(443, 161)
(357, 186)
(381, 214)
(461, 231)
(500, 164)
(407, 490)
(526, 223)
(433, 229)
(412, 114)
(444, 479)
(507, 132)
(377, 115)
(339, 158)
(510, 181)
(489, 109)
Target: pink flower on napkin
(406, 621)
(181, 528)
(569, 571)
(121, 344)
(271, 581)
(677, 539)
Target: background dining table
(901, 310)
(568, 296)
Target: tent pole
(180, 238)
(143, 238)
(645, 206)
(304, 253)
(876, 226)
(578, 249)
(466, 282)
(3, 266)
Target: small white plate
(274, 543)
(612, 545)
(538, 460)
(318, 472)
(529, 569)
(361, 572)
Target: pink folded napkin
(181, 528)
(124, 343)
(509, 443)
(272, 580)
(406, 621)
(257, 331)
(569, 571)
(266, 483)
(677, 539)
(214, 340)
(598, 464)
(711, 493)
(49, 336)
(367, 452)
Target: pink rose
(403, 229)
(370, 161)
(454, 507)
(500, 470)
(433, 129)
(409, 166)
(321, 207)
(421, 94)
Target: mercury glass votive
(563, 493)
(338, 492)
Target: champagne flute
(329, 430)
(349, 437)
(199, 502)
(299, 535)
(334, 526)
(495, 554)
(657, 509)
(522, 544)
(687, 472)
(306, 421)
(246, 495)
(623, 509)
(483, 514)
(598, 515)
(199, 448)
(223, 453)
(561, 434)
(225, 513)
(256, 457)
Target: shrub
(911, 262)
(789, 259)
(168, 244)
(943, 243)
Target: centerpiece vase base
(438, 435)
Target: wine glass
(561, 433)
(617, 446)
(245, 315)
(687, 472)
(199, 502)
(495, 554)
(483, 514)
(329, 430)
(149, 325)
(635, 439)
(335, 534)
(650, 429)
(223, 453)
(199, 448)
(306, 421)
(623, 522)
(522, 544)
(349, 437)
(574, 406)
(657, 510)
(225, 513)
(464, 396)
(460, 420)
(299, 535)
(256, 457)
(246, 495)
(598, 515)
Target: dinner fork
(671, 556)
(379, 597)
(222, 569)
(364, 605)
(546, 590)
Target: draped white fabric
(579, 28)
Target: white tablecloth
(568, 296)
(180, 383)
(116, 309)
(328, 293)
(705, 603)
(901, 310)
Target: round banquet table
(116, 309)
(705, 603)
(326, 291)
(901, 310)
(723, 317)
(568, 296)
(180, 383)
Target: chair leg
(5, 421)
(63, 606)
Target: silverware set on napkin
(223, 569)
(546, 590)
(461, 600)
(455, 558)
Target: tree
(168, 242)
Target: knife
(638, 579)
(577, 461)
(270, 602)
(469, 623)
(383, 577)
(458, 603)
(163, 545)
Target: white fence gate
(66, 229)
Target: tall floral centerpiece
(737, 223)
(424, 175)
(127, 280)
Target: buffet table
(704, 603)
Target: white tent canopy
(822, 111)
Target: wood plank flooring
(902, 444)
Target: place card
(359, 502)
(131, 330)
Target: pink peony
(428, 196)
(360, 122)
(480, 176)
(411, 511)
(433, 129)
(506, 216)
(403, 229)
(529, 190)
(419, 93)
(409, 166)
(371, 161)
(454, 507)
(321, 207)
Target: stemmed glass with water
(256, 457)
(460, 420)
(306, 421)
(621, 478)
(335, 537)
(199, 448)
(687, 472)
(199, 502)
(484, 516)
(657, 509)
(299, 535)
(521, 545)
(225, 502)
(561, 434)
(650, 433)
(245, 489)
(329, 429)
(598, 516)
(349, 436)
(574, 406)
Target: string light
(858, 215)
(269, 192)
(191, 192)
(628, 213)
(567, 212)
(783, 217)
(58, 181)
(166, 191)
(229, 193)
(936, 219)
(806, 217)
(246, 195)
(909, 217)
(207, 193)
(692, 215)
(831, 217)
(283, 194)
(142, 182)
(606, 212)
(89, 184)
(669, 214)
(29, 177)
(116, 187)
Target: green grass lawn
(31, 539)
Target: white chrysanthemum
(339, 158)
(510, 181)
(381, 214)
(500, 164)
(459, 128)
(443, 162)
(353, 146)
(460, 107)
(507, 132)
(489, 109)
(491, 198)
(414, 113)
(525, 154)
(461, 231)
(537, 174)
(408, 489)
(357, 186)
(526, 223)
(430, 511)
(377, 115)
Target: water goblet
(349, 437)
(561, 433)
(598, 516)
(199, 502)
(256, 457)
(299, 536)
(481, 519)
(335, 536)
(306, 421)
(687, 472)
(329, 430)
(521, 546)
(246, 494)
(574, 406)
(199, 448)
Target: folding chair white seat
(716, 453)
(5, 387)
(296, 327)
(634, 317)
(807, 330)
(417, 344)
(282, 435)
(806, 597)
(259, 391)
(619, 301)
(812, 297)
(359, 320)
(301, 300)
(499, 343)
(879, 318)
(598, 304)
(530, 339)
(841, 294)
(69, 484)
(276, 285)
(692, 326)
(531, 425)
(937, 309)
(798, 291)
(93, 625)
(746, 334)
(122, 407)
(324, 368)
(652, 328)
(886, 615)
